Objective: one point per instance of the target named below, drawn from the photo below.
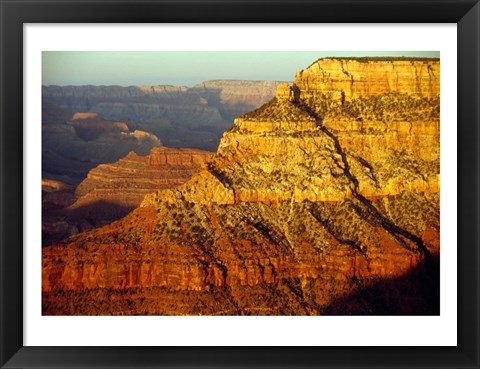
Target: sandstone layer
(111, 191)
(125, 183)
(355, 77)
(322, 201)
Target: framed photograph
(229, 184)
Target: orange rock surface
(313, 204)
(111, 191)
(364, 77)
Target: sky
(184, 68)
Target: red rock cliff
(111, 191)
(312, 204)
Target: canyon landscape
(99, 137)
(319, 196)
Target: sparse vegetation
(278, 110)
(380, 108)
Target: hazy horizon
(185, 68)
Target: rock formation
(354, 78)
(180, 116)
(111, 191)
(325, 200)
(83, 126)
(235, 97)
(125, 183)
(72, 147)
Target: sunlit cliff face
(323, 201)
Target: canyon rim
(317, 195)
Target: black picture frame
(15, 13)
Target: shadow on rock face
(415, 293)
(60, 224)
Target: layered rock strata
(83, 126)
(126, 182)
(235, 97)
(111, 191)
(355, 78)
(71, 148)
(180, 116)
(322, 201)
